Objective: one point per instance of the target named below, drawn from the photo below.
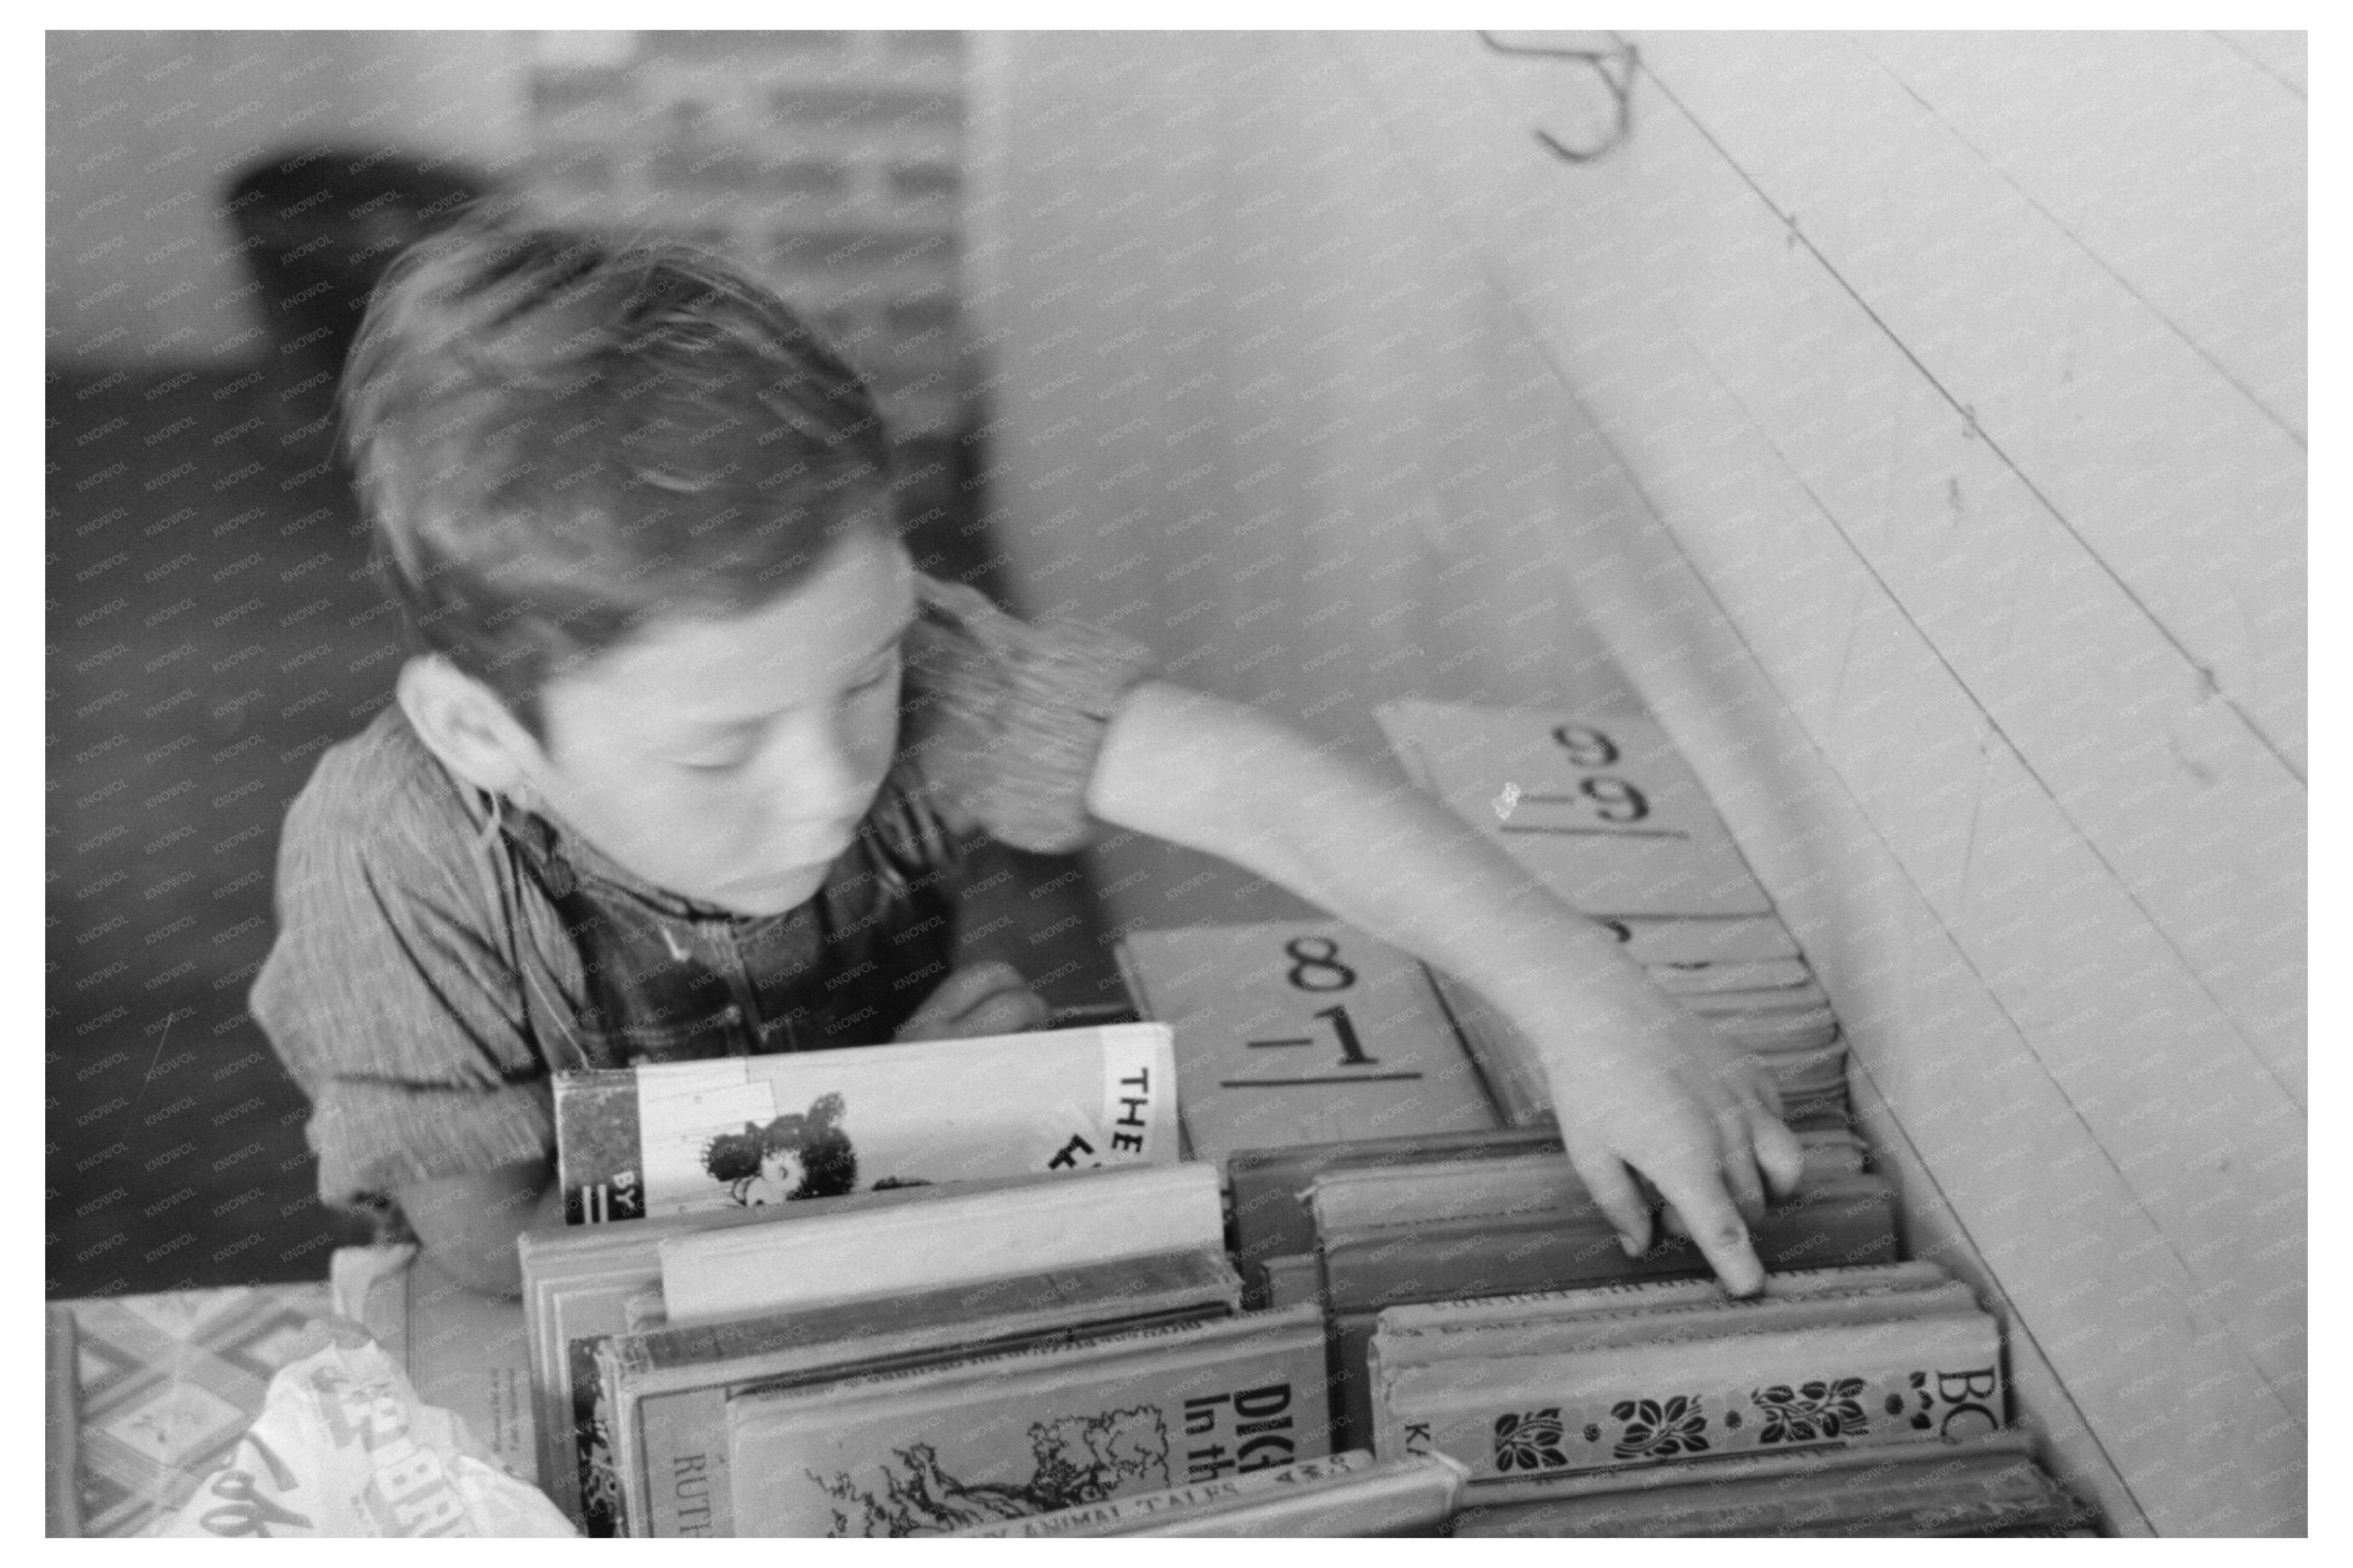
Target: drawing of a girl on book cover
(795, 1156)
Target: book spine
(1293, 1281)
(1714, 1318)
(677, 1482)
(942, 1452)
(1348, 1494)
(1388, 1356)
(1137, 1515)
(1629, 1294)
(1271, 1217)
(691, 1353)
(1821, 1388)
(1952, 1508)
(626, 1510)
(1767, 999)
(595, 1482)
(1538, 1189)
(1348, 1347)
(1870, 1465)
(1128, 1212)
(1395, 1499)
(61, 1426)
(574, 1317)
(1848, 1225)
(598, 1153)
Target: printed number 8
(1327, 960)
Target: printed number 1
(1352, 1050)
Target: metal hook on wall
(1621, 83)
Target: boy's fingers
(1715, 1226)
(973, 983)
(1739, 1162)
(965, 989)
(1004, 1012)
(1779, 1155)
(1617, 1198)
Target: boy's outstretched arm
(1636, 1081)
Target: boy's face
(730, 760)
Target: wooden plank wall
(1913, 425)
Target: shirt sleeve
(389, 994)
(1003, 719)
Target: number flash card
(1601, 809)
(1300, 1034)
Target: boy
(687, 747)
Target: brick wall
(828, 163)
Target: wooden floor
(212, 628)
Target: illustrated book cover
(995, 1437)
(748, 1131)
(669, 1389)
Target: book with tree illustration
(941, 1448)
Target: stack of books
(1601, 809)
(911, 1361)
(1845, 1401)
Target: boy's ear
(461, 723)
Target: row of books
(911, 1362)
(1077, 1358)
(924, 1358)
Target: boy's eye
(724, 759)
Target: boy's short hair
(557, 438)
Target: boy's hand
(1687, 1116)
(978, 1000)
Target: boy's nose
(829, 780)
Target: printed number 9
(1585, 747)
(1608, 793)
(1328, 961)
